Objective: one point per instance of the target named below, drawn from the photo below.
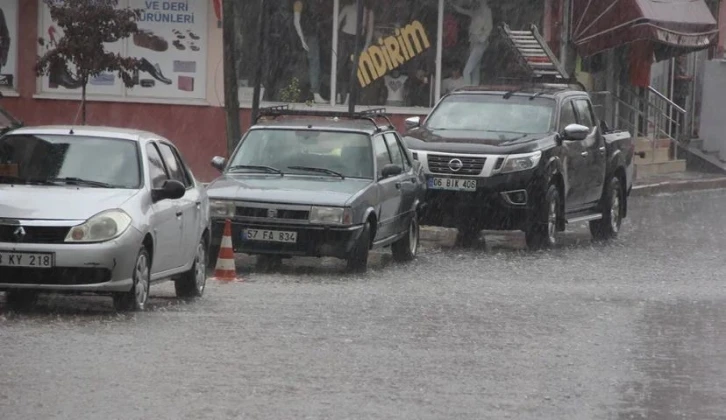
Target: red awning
(674, 26)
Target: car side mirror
(391, 170)
(412, 122)
(218, 162)
(171, 190)
(576, 132)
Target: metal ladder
(533, 53)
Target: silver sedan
(98, 210)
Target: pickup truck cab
(532, 158)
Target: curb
(678, 186)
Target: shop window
(8, 45)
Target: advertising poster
(8, 44)
(172, 48)
(60, 81)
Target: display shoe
(192, 35)
(59, 76)
(149, 40)
(153, 70)
(319, 99)
(179, 46)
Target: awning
(674, 26)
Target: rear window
(517, 115)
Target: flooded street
(631, 330)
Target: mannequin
(307, 16)
(348, 19)
(479, 30)
(395, 82)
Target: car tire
(405, 249)
(543, 232)
(135, 299)
(358, 258)
(192, 283)
(21, 300)
(612, 212)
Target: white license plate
(269, 236)
(23, 259)
(455, 184)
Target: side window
(398, 144)
(172, 163)
(584, 111)
(567, 116)
(157, 171)
(396, 155)
(383, 158)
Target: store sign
(392, 52)
(170, 45)
(683, 40)
(8, 44)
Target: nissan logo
(455, 165)
(19, 234)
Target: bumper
(312, 241)
(78, 268)
(500, 202)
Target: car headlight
(102, 227)
(220, 208)
(330, 215)
(523, 162)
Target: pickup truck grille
(34, 234)
(272, 213)
(440, 164)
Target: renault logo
(19, 234)
(455, 165)
(272, 213)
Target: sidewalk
(681, 181)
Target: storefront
(416, 50)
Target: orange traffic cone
(225, 269)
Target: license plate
(269, 236)
(23, 259)
(454, 184)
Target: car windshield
(69, 159)
(516, 115)
(304, 152)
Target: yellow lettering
(394, 52)
(414, 32)
(378, 60)
(382, 45)
(366, 66)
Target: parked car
(98, 210)
(530, 157)
(307, 183)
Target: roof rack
(368, 114)
(543, 81)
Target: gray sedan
(336, 187)
(98, 210)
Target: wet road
(633, 330)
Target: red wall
(198, 131)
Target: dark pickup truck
(531, 157)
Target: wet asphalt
(631, 330)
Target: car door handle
(584, 154)
(179, 214)
(602, 149)
(398, 185)
(199, 204)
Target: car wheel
(358, 258)
(135, 299)
(192, 283)
(543, 232)
(612, 212)
(21, 300)
(405, 249)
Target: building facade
(416, 51)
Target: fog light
(517, 198)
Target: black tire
(542, 233)
(192, 283)
(136, 298)
(405, 249)
(358, 258)
(612, 212)
(21, 300)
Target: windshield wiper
(6, 179)
(81, 181)
(320, 170)
(236, 168)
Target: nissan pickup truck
(531, 157)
